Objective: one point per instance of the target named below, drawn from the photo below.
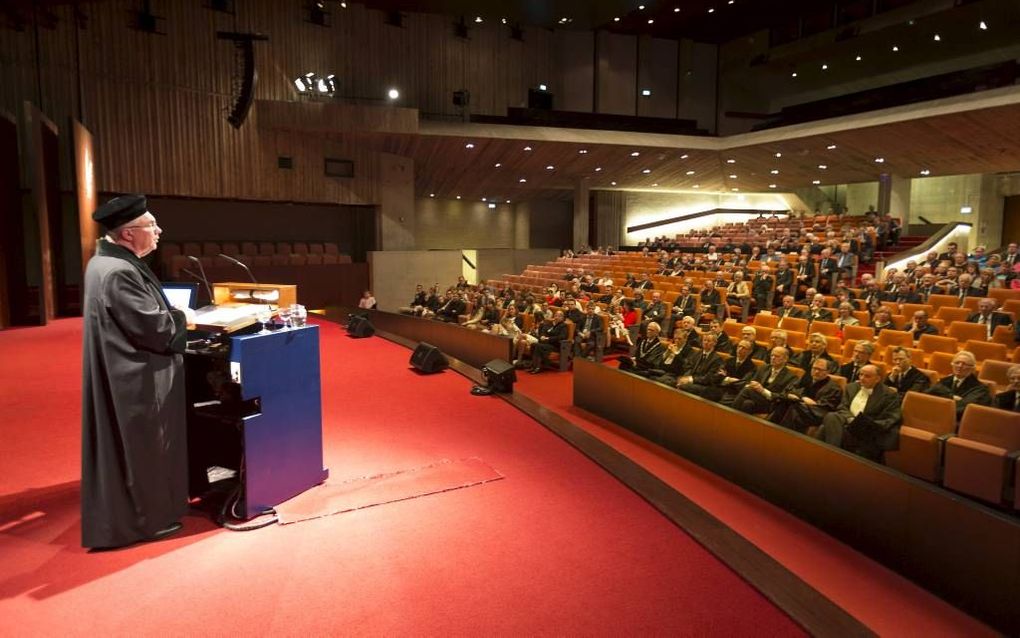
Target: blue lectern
(282, 442)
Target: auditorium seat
(1002, 295)
(827, 328)
(766, 320)
(971, 303)
(892, 338)
(298, 260)
(315, 248)
(797, 340)
(834, 346)
(933, 377)
(249, 248)
(986, 349)
(231, 248)
(330, 258)
(963, 331)
(169, 249)
(935, 343)
(977, 459)
(927, 422)
(908, 309)
(941, 301)
(330, 248)
(283, 248)
(917, 356)
(299, 248)
(562, 357)
(793, 324)
(280, 259)
(314, 259)
(861, 333)
(995, 371)
(863, 316)
(267, 248)
(938, 324)
(262, 260)
(732, 329)
(211, 249)
(941, 362)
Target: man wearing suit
(807, 403)
(987, 316)
(805, 275)
(701, 368)
(710, 297)
(550, 334)
(951, 249)
(588, 332)
(1010, 399)
(787, 310)
(817, 310)
(851, 370)
(452, 309)
(963, 385)
(845, 260)
(867, 420)
(827, 271)
(761, 286)
(920, 326)
(757, 352)
(816, 349)
(655, 311)
(736, 372)
(1011, 257)
(928, 288)
(768, 382)
(904, 377)
(784, 281)
(648, 352)
(722, 340)
(685, 305)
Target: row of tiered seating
(174, 256)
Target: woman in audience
(845, 318)
(367, 301)
(882, 320)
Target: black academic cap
(120, 210)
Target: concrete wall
(860, 196)
(645, 207)
(454, 224)
(939, 200)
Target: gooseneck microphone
(204, 279)
(240, 263)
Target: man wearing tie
(851, 370)
(784, 280)
(920, 326)
(867, 421)
(904, 377)
(787, 310)
(1011, 257)
(987, 316)
(588, 333)
(928, 288)
(770, 381)
(963, 385)
(736, 372)
(1010, 399)
(702, 368)
(805, 275)
(806, 404)
(761, 287)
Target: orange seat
(927, 422)
(941, 362)
(908, 309)
(951, 314)
(827, 328)
(935, 343)
(834, 347)
(793, 324)
(863, 333)
(963, 331)
(995, 371)
(971, 303)
(939, 325)
(890, 338)
(939, 301)
(1004, 335)
(766, 320)
(917, 356)
(987, 350)
(976, 459)
(1002, 295)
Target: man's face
(777, 339)
(788, 302)
(708, 341)
(1014, 379)
(817, 346)
(656, 297)
(685, 290)
(714, 327)
(687, 323)
(927, 280)
(652, 331)
(142, 234)
(743, 349)
(986, 306)
(747, 334)
(820, 370)
(868, 376)
(778, 357)
(901, 360)
(558, 317)
(861, 355)
(921, 318)
(962, 366)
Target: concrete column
(894, 195)
(522, 226)
(396, 202)
(581, 191)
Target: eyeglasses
(149, 226)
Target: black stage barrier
(957, 548)
(473, 347)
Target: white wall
(939, 199)
(395, 273)
(647, 207)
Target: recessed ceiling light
(503, 20)
(793, 75)
(696, 186)
(895, 48)
(635, 154)
(478, 19)
(652, 21)
(527, 148)
(690, 172)
(616, 19)
(822, 167)
(730, 2)
(775, 171)
(393, 94)
(772, 185)
(646, 92)
(983, 26)
(646, 171)
(641, 7)
(879, 160)
(937, 38)
(598, 169)
(498, 164)
(458, 196)
(779, 154)
(816, 182)
(711, 10)
(492, 205)
(684, 156)
(731, 161)
(582, 151)
(825, 67)
(831, 147)
(523, 180)
(469, 145)
(432, 194)
(543, 87)
(612, 183)
(549, 167)
(485, 199)
(733, 177)
(508, 201)
(858, 58)
(925, 171)
(676, 9)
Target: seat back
(249, 248)
(888, 338)
(939, 301)
(267, 248)
(231, 248)
(917, 356)
(963, 331)
(908, 309)
(991, 426)
(938, 324)
(210, 249)
(971, 303)
(840, 381)
(283, 248)
(926, 412)
(793, 324)
(987, 350)
(933, 377)
(995, 371)
(866, 333)
(1002, 295)
(834, 347)
(935, 343)
(827, 328)
(941, 362)
(768, 321)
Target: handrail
(705, 213)
(949, 231)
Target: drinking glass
(299, 315)
(263, 316)
(284, 313)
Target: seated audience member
(784, 282)
(416, 305)
(452, 309)
(786, 310)
(701, 368)
(861, 357)
(643, 284)
(904, 377)
(654, 311)
(710, 297)
(588, 332)
(618, 326)
(816, 349)
(723, 343)
(686, 304)
(758, 352)
(919, 326)
(777, 339)
(648, 353)
(761, 286)
(987, 316)
(571, 308)
(807, 402)
(367, 301)
(803, 277)
(867, 420)
(550, 334)
(845, 317)
(963, 385)
(736, 372)
(817, 310)
(882, 320)
(511, 325)
(1010, 399)
(769, 380)
(928, 288)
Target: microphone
(237, 262)
(203, 279)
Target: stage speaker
(540, 100)
(428, 358)
(359, 326)
(500, 375)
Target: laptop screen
(181, 295)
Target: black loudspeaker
(539, 99)
(358, 326)
(428, 358)
(500, 375)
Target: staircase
(906, 242)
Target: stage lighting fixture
(393, 94)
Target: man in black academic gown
(1009, 399)
(868, 419)
(807, 403)
(134, 483)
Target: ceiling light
(492, 205)
(779, 154)
(733, 177)
(343, 5)
(498, 164)
(503, 20)
(676, 9)
(652, 21)
(772, 185)
(684, 156)
(925, 171)
(641, 7)
(696, 186)
(730, 2)
(469, 145)
(598, 169)
(582, 151)
(831, 147)
(690, 172)
(485, 199)
(458, 196)
(635, 153)
(508, 201)
(966, 210)
(711, 10)
(527, 148)
(879, 160)
(822, 167)
(393, 94)
(825, 67)
(616, 19)
(432, 194)
(522, 181)
(775, 171)
(646, 171)
(646, 92)
(731, 161)
(983, 27)
(858, 58)
(937, 38)
(895, 48)
(612, 183)
(793, 75)
(549, 167)
(542, 87)
(816, 182)
(478, 19)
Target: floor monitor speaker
(428, 358)
(359, 326)
(500, 375)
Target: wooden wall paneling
(41, 269)
(12, 244)
(85, 190)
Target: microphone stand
(204, 279)
(237, 262)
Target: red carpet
(884, 601)
(557, 546)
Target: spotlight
(393, 94)
(984, 27)
(491, 205)
(646, 92)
